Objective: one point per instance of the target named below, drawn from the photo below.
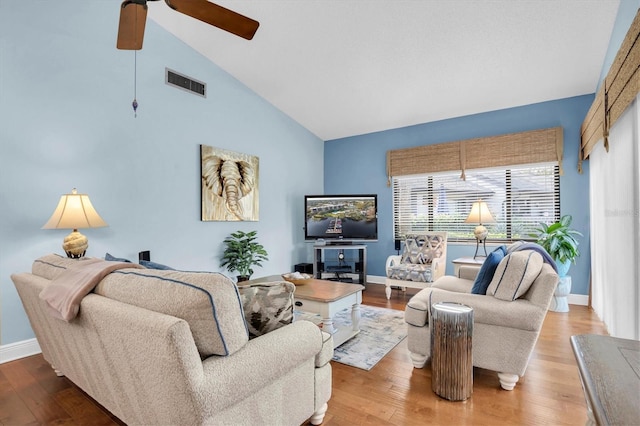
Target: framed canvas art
(229, 185)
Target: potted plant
(242, 252)
(558, 239)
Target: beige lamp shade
(75, 211)
(480, 213)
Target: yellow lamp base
(75, 245)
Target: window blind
(519, 198)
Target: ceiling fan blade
(217, 16)
(133, 17)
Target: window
(519, 198)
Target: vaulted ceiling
(348, 67)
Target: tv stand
(340, 262)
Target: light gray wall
(66, 121)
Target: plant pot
(560, 303)
(241, 278)
(563, 268)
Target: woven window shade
(536, 146)
(620, 87)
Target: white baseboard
(375, 279)
(574, 299)
(578, 299)
(18, 350)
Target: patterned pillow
(420, 273)
(515, 274)
(409, 272)
(267, 306)
(422, 249)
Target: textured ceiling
(348, 67)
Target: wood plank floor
(392, 393)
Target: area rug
(381, 329)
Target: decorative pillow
(422, 249)
(111, 258)
(397, 272)
(267, 306)
(208, 301)
(411, 252)
(515, 274)
(487, 270)
(153, 265)
(537, 247)
(410, 272)
(419, 273)
(514, 246)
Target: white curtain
(615, 227)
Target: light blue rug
(381, 329)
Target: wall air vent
(183, 82)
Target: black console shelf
(336, 262)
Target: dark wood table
(610, 373)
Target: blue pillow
(153, 265)
(488, 268)
(111, 258)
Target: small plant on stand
(242, 252)
(558, 239)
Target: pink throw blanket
(64, 294)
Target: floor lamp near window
(480, 214)
(75, 211)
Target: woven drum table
(451, 350)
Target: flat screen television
(341, 218)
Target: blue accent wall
(358, 165)
(67, 121)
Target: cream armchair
(507, 319)
(423, 261)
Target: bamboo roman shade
(536, 146)
(619, 88)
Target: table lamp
(75, 211)
(480, 214)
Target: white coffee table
(327, 298)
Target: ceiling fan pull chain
(134, 104)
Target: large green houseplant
(242, 252)
(558, 239)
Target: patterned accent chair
(423, 260)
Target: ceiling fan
(133, 16)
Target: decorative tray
(296, 278)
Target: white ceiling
(348, 67)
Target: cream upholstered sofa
(423, 261)
(172, 348)
(507, 319)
